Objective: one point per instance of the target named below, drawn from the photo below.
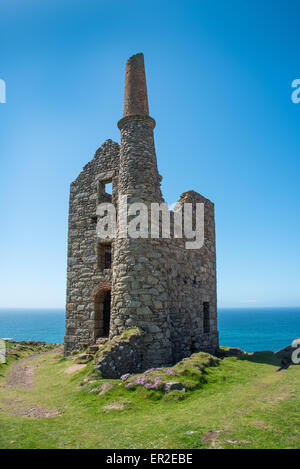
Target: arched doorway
(102, 313)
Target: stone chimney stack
(139, 181)
(139, 176)
(135, 97)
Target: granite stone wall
(85, 278)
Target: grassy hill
(48, 401)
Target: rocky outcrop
(289, 355)
(173, 386)
(120, 355)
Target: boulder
(172, 386)
(285, 354)
(85, 356)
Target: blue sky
(219, 82)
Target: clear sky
(219, 81)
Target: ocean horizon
(251, 329)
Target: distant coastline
(250, 329)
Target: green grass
(233, 403)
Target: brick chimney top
(135, 98)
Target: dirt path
(21, 377)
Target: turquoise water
(46, 325)
(257, 329)
(250, 329)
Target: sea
(251, 329)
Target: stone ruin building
(161, 293)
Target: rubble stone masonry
(156, 285)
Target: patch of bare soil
(36, 411)
(115, 405)
(105, 388)
(238, 442)
(212, 437)
(74, 368)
